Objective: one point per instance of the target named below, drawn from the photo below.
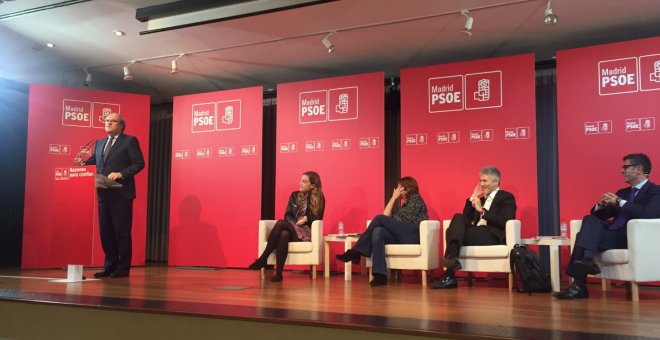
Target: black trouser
(595, 236)
(461, 232)
(115, 221)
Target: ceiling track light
(326, 42)
(550, 17)
(469, 21)
(175, 69)
(127, 73)
(88, 78)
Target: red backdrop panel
(458, 118)
(216, 178)
(335, 127)
(61, 219)
(607, 98)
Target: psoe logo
(76, 113)
(483, 90)
(182, 154)
(591, 128)
(226, 151)
(605, 126)
(101, 111)
(510, 133)
(617, 76)
(341, 144)
(203, 117)
(229, 115)
(343, 103)
(288, 147)
(312, 107)
(445, 93)
(61, 174)
(647, 124)
(649, 72)
(640, 124)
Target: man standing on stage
(119, 158)
(606, 227)
(482, 223)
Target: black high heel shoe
(349, 255)
(258, 264)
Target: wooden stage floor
(485, 310)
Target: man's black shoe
(119, 273)
(586, 267)
(445, 282)
(451, 263)
(574, 291)
(104, 273)
(378, 280)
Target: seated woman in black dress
(399, 224)
(304, 207)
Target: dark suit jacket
(502, 209)
(292, 210)
(645, 205)
(126, 157)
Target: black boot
(378, 280)
(277, 277)
(258, 264)
(349, 255)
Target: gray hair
(122, 123)
(491, 171)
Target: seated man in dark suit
(482, 223)
(605, 228)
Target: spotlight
(469, 20)
(127, 72)
(88, 78)
(175, 69)
(326, 42)
(550, 17)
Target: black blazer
(126, 157)
(292, 210)
(502, 209)
(645, 205)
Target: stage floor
(487, 309)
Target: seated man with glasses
(605, 228)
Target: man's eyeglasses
(112, 121)
(626, 166)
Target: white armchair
(305, 253)
(488, 258)
(635, 264)
(423, 256)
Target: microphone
(84, 151)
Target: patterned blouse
(413, 211)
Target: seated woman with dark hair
(305, 206)
(399, 224)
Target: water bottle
(340, 227)
(563, 229)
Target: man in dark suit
(119, 158)
(605, 228)
(482, 223)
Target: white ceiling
(372, 35)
